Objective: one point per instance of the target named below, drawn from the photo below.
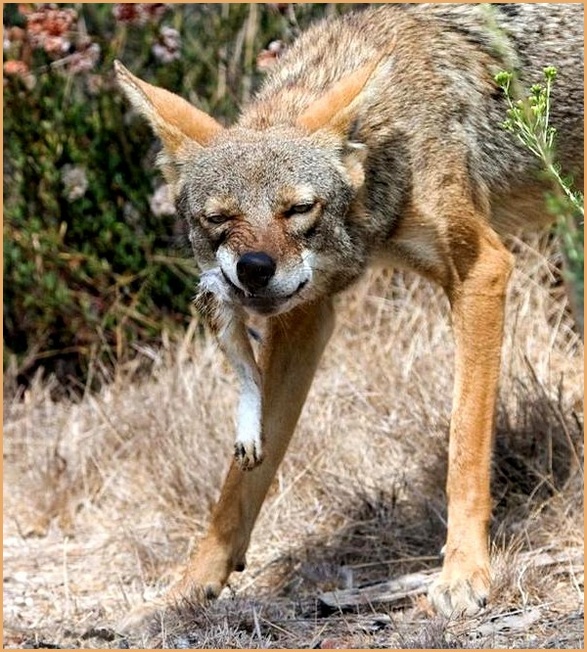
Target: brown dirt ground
(104, 497)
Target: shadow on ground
(536, 460)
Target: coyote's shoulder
(438, 85)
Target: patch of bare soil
(104, 497)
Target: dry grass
(105, 496)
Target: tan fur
(175, 120)
(334, 102)
(349, 156)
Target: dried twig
(417, 583)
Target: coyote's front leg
(290, 352)
(481, 269)
(226, 320)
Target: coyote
(376, 137)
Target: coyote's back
(438, 90)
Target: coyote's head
(274, 210)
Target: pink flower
(161, 202)
(13, 35)
(168, 48)
(139, 12)
(48, 28)
(125, 12)
(266, 58)
(15, 68)
(20, 69)
(280, 7)
(85, 60)
(75, 182)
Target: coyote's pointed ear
(332, 110)
(174, 120)
(333, 116)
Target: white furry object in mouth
(212, 280)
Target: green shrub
(91, 265)
(529, 119)
(80, 242)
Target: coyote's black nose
(255, 269)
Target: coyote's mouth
(264, 302)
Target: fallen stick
(390, 591)
(417, 583)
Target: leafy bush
(92, 256)
(528, 118)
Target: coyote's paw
(149, 618)
(248, 454)
(142, 620)
(457, 594)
